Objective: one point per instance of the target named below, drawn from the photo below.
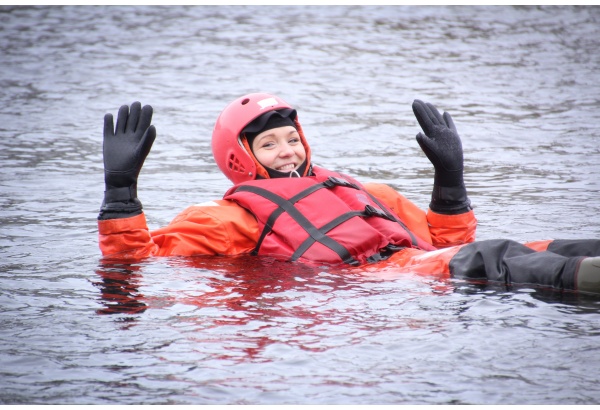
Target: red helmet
(231, 150)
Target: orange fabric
(416, 261)
(539, 246)
(221, 229)
(412, 216)
(442, 231)
(451, 230)
(125, 237)
(224, 228)
(412, 261)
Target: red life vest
(327, 218)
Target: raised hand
(125, 149)
(441, 144)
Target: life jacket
(328, 218)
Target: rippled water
(523, 85)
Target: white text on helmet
(267, 102)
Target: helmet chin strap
(296, 173)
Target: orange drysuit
(223, 227)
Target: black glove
(125, 149)
(442, 146)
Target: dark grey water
(523, 85)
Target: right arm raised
(124, 149)
(220, 228)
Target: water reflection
(268, 289)
(254, 302)
(119, 287)
(572, 302)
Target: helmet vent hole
(235, 165)
(245, 101)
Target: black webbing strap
(276, 213)
(308, 242)
(393, 217)
(288, 206)
(315, 234)
(328, 183)
(368, 212)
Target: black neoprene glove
(442, 145)
(125, 148)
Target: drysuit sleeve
(216, 228)
(451, 230)
(440, 230)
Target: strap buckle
(370, 210)
(332, 182)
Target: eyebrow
(271, 134)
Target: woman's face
(279, 148)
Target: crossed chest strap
(320, 234)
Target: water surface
(523, 86)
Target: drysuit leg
(508, 261)
(575, 247)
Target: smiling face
(279, 148)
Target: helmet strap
(308, 168)
(260, 169)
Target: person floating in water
(282, 205)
